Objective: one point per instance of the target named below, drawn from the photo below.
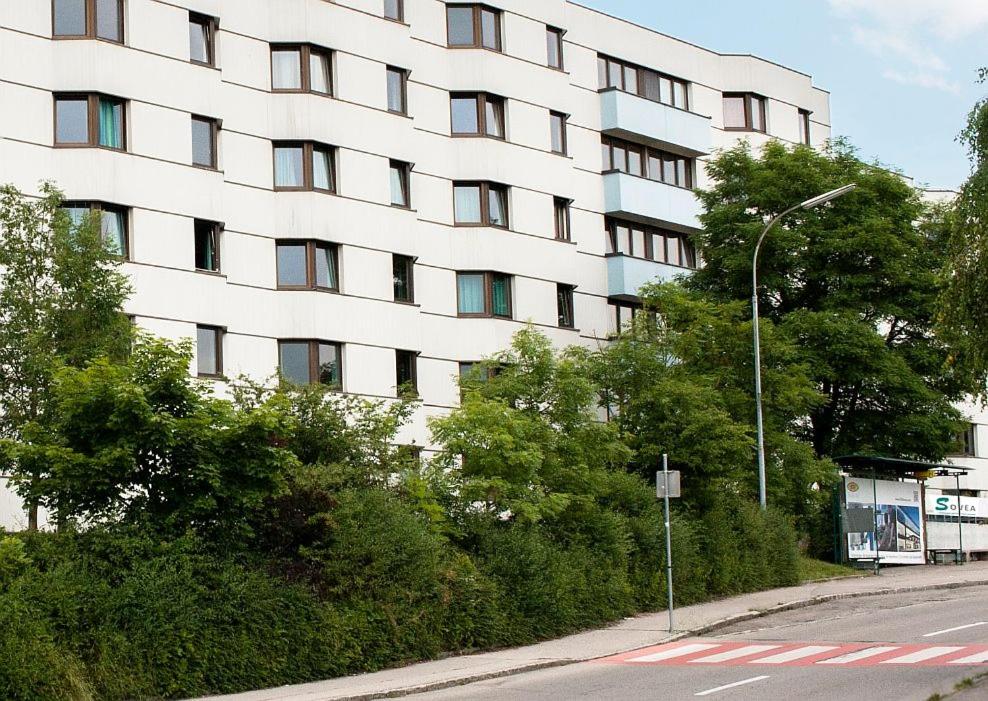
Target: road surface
(904, 647)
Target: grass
(811, 570)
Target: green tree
(853, 285)
(61, 299)
(963, 315)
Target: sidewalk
(630, 634)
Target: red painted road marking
(805, 654)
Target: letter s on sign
(943, 504)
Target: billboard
(899, 517)
(944, 505)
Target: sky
(902, 73)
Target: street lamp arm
(758, 245)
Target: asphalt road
(778, 658)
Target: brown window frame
(399, 15)
(405, 169)
(308, 179)
(91, 23)
(750, 100)
(210, 26)
(100, 206)
(217, 233)
(413, 382)
(804, 127)
(219, 332)
(555, 35)
(214, 130)
(485, 203)
(403, 73)
(409, 264)
(639, 87)
(563, 124)
(478, 27)
(562, 224)
(609, 144)
(305, 64)
(565, 305)
(650, 236)
(488, 313)
(313, 347)
(482, 100)
(92, 119)
(311, 247)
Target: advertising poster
(900, 521)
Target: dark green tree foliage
(962, 305)
(853, 285)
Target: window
(311, 362)
(645, 162)
(561, 218)
(480, 204)
(476, 114)
(473, 26)
(403, 272)
(202, 39)
(308, 265)
(397, 90)
(90, 19)
(554, 47)
(744, 112)
(304, 165)
(207, 244)
(564, 305)
(632, 239)
(621, 314)
(658, 87)
(113, 223)
(483, 294)
(209, 351)
(406, 372)
(400, 178)
(804, 127)
(557, 126)
(301, 68)
(204, 131)
(90, 120)
(394, 9)
(968, 441)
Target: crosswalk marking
(793, 655)
(670, 653)
(977, 658)
(734, 654)
(859, 655)
(922, 655)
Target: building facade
(369, 193)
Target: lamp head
(827, 196)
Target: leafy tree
(853, 285)
(962, 309)
(61, 299)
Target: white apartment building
(374, 192)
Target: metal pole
(665, 474)
(960, 525)
(874, 495)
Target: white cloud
(948, 19)
(922, 79)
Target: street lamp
(808, 204)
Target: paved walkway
(629, 634)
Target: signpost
(667, 486)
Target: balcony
(651, 202)
(637, 119)
(626, 275)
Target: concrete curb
(709, 628)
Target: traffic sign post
(667, 486)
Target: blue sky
(902, 73)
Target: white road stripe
(734, 654)
(792, 655)
(922, 655)
(859, 655)
(731, 686)
(672, 653)
(977, 658)
(951, 630)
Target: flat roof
(901, 467)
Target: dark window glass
(498, 201)
(293, 361)
(804, 127)
(208, 351)
(111, 122)
(292, 265)
(397, 90)
(69, 18)
(561, 218)
(207, 252)
(330, 365)
(613, 73)
(309, 265)
(405, 372)
(477, 113)
(500, 295)
(204, 142)
(201, 37)
(464, 115)
(634, 159)
(72, 120)
(473, 26)
(394, 9)
(109, 19)
(557, 122)
(402, 268)
(564, 305)
(326, 267)
(460, 23)
(554, 47)
(113, 225)
(399, 184)
(305, 362)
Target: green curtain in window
(471, 293)
(499, 297)
(110, 123)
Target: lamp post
(808, 204)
